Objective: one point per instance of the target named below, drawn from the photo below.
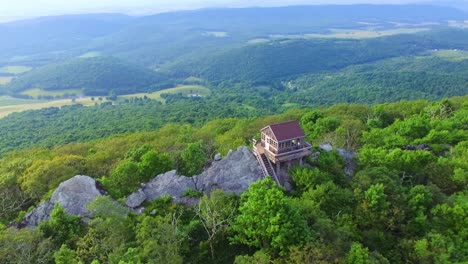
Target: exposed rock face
(350, 164)
(167, 184)
(73, 195)
(233, 174)
(326, 147)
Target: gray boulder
(326, 147)
(233, 174)
(167, 184)
(218, 157)
(136, 198)
(73, 195)
(350, 164)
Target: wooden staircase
(266, 166)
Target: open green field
(91, 54)
(452, 55)
(351, 34)
(5, 80)
(11, 101)
(35, 93)
(10, 105)
(15, 69)
(183, 89)
(216, 34)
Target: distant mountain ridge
(119, 34)
(259, 45)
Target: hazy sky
(14, 9)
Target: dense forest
(279, 59)
(96, 76)
(387, 83)
(156, 39)
(375, 70)
(406, 201)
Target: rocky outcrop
(73, 195)
(350, 164)
(326, 147)
(233, 174)
(347, 155)
(167, 184)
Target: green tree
(25, 246)
(192, 159)
(65, 256)
(153, 164)
(268, 220)
(123, 180)
(159, 240)
(62, 228)
(108, 233)
(358, 254)
(216, 213)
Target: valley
(131, 138)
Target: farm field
(183, 89)
(35, 93)
(91, 54)
(15, 69)
(10, 105)
(452, 55)
(16, 105)
(5, 80)
(352, 34)
(10, 101)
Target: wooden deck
(286, 156)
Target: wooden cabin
(282, 143)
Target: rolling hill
(284, 58)
(253, 46)
(96, 76)
(57, 35)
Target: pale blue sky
(14, 9)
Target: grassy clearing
(5, 80)
(11, 101)
(183, 89)
(35, 93)
(290, 105)
(15, 69)
(10, 105)
(91, 54)
(452, 55)
(258, 41)
(353, 34)
(192, 80)
(216, 34)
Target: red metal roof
(287, 130)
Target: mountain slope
(56, 33)
(154, 40)
(277, 60)
(97, 76)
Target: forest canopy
(406, 201)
